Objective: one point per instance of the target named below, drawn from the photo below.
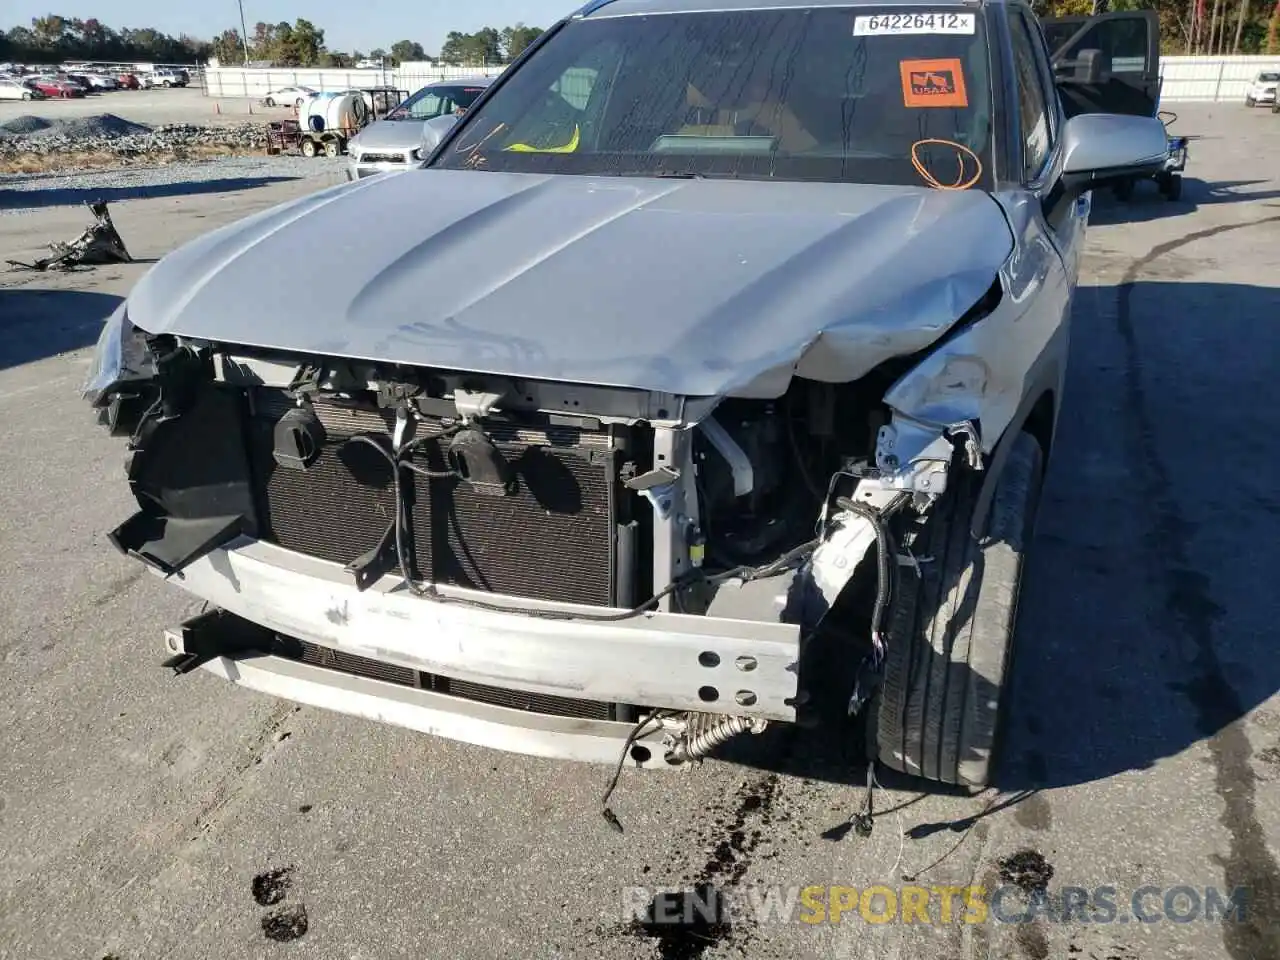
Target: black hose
(873, 663)
(884, 560)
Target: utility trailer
(1110, 63)
(289, 136)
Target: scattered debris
(1027, 870)
(271, 886)
(285, 924)
(99, 244)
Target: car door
(1039, 124)
(1107, 64)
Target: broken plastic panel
(190, 476)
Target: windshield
(864, 95)
(1268, 77)
(431, 102)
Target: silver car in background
(393, 143)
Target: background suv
(1263, 88)
(393, 143)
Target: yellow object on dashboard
(570, 147)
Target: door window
(1033, 105)
(428, 108)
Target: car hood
(391, 135)
(687, 287)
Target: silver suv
(703, 378)
(392, 143)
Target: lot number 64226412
(913, 23)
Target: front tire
(1250, 102)
(270, 102)
(332, 149)
(1171, 187)
(951, 631)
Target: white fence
(230, 82)
(1210, 78)
(1185, 78)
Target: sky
(346, 25)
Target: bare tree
(1244, 15)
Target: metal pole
(244, 33)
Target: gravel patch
(29, 192)
(106, 125)
(20, 126)
(126, 140)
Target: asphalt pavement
(145, 816)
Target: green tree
(53, 37)
(228, 47)
(308, 42)
(262, 45)
(403, 50)
(49, 30)
(472, 49)
(516, 39)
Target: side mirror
(434, 130)
(1089, 67)
(1101, 147)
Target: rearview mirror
(1100, 147)
(434, 130)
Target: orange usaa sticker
(933, 83)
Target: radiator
(554, 539)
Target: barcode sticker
(902, 24)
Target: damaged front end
(546, 568)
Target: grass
(80, 160)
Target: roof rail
(591, 7)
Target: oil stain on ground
(285, 923)
(270, 886)
(1032, 941)
(686, 923)
(1028, 870)
(282, 924)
